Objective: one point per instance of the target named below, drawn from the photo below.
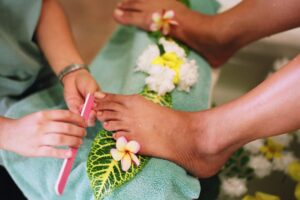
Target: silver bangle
(71, 68)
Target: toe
(134, 18)
(109, 116)
(136, 5)
(121, 134)
(114, 126)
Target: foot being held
(181, 137)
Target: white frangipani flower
(254, 146)
(188, 75)
(172, 47)
(282, 163)
(234, 187)
(144, 62)
(168, 70)
(261, 166)
(284, 139)
(160, 79)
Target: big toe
(134, 18)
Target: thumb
(74, 104)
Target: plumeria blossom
(234, 187)
(163, 21)
(282, 163)
(294, 171)
(261, 166)
(272, 149)
(261, 196)
(168, 70)
(284, 139)
(254, 146)
(125, 152)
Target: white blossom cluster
(236, 187)
(161, 78)
(261, 165)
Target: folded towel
(113, 69)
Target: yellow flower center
(272, 149)
(172, 61)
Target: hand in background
(39, 134)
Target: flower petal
(169, 14)
(126, 162)
(154, 27)
(166, 29)
(173, 22)
(156, 17)
(121, 143)
(133, 147)
(117, 155)
(135, 159)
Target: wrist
(70, 70)
(5, 131)
(73, 74)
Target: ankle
(203, 134)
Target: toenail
(99, 95)
(119, 12)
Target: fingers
(46, 151)
(92, 119)
(64, 128)
(63, 116)
(115, 126)
(59, 140)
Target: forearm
(54, 37)
(270, 109)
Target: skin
(216, 37)
(39, 134)
(207, 138)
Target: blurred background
(92, 25)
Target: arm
(56, 41)
(55, 38)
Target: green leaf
(105, 174)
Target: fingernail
(69, 154)
(100, 113)
(99, 95)
(119, 12)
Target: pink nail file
(68, 163)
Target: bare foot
(181, 137)
(201, 32)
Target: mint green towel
(113, 69)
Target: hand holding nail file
(68, 163)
